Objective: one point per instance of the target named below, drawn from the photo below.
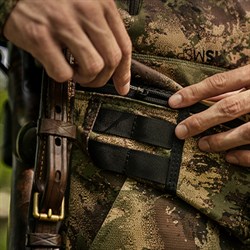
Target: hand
(92, 30)
(227, 108)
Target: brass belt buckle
(49, 216)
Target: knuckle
(83, 78)
(217, 81)
(245, 132)
(216, 145)
(244, 160)
(230, 108)
(122, 78)
(196, 123)
(113, 61)
(193, 92)
(94, 68)
(59, 18)
(127, 49)
(88, 10)
(87, 74)
(58, 75)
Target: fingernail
(175, 100)
(232, 159)
(181, 131)
(204, 145)
(124, 89)
(127, 86)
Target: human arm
(92, 30)
(227, 108)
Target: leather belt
(55, 134)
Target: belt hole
(58, 109)
(58, 175)
(58, 142)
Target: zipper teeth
(156, 96)
(162, 102)
(144, 91)
(159, 93)
(159, 97)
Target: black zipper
(151, 95)
(142, 93)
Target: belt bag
(134, 136)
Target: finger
(226, 140)
(239, 157)
(50, 55)
(122, 77)
(89, 61)
(109, 65)
(222, 111)
(104, 41)
(212, 86)
(222, 96)
(115, 46)
(122, 73)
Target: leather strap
(55, 134)
(44, 240)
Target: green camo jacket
(6, 7)
(208, 32)
(110, 211)
(187, 40)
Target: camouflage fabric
(187, 41)
(127, 214)
(6, 7)
(210, 32)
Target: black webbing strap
(153, 131)
(176, 157)
(130, 162)
(156, 132)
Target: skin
(231, 91)
(92, 30)
(95, 34)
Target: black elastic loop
(133, 163)
(176, 157)
(156, 132)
